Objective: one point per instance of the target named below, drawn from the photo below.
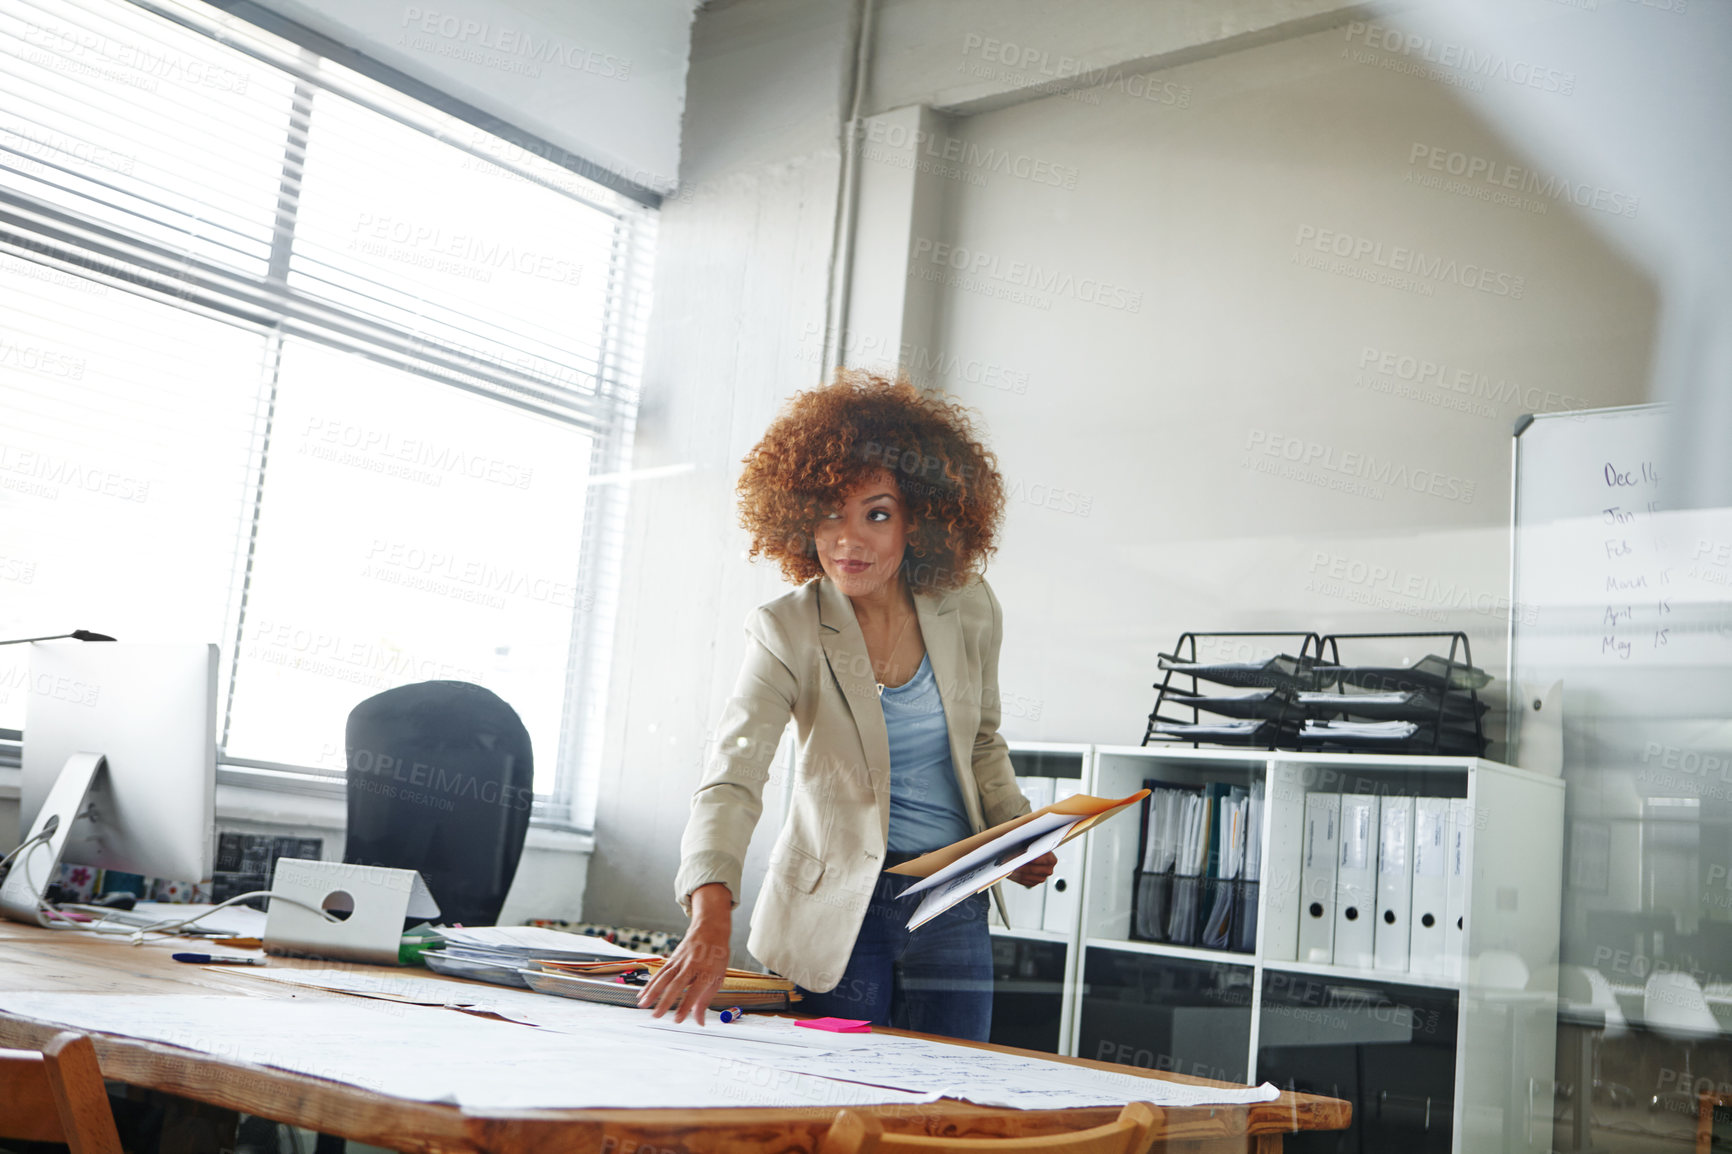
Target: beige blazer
(806, 659)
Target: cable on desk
(167, 927)
(39, 838)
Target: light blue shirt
(926, 810)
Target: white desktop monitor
(150, 711)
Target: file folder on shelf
(1430, 885)
(1394, 883)
(1456, 879)
(1185, 914)
(1151, 900)
(1227, 862)
(1243, 937)
(1356, 881)
(1285, 814)
(1025, 906)
(1152, 884)
(1317, 877)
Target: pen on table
(218, 960)
(731, 1014)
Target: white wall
(605, 80)
(1139, 502)
(1190, 192)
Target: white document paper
(984, 855)
(241, 921)
(620, 1058)
(411, 989)
(435, 1055)
(991, 1079)
(990, 862)
(538, 941)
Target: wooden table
(36, 959)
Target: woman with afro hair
(880, 504)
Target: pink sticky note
(837, 1025)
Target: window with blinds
(295, 363)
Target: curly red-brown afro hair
(829, 439)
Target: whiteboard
(1625, 600)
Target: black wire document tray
(1280, 672)
(1264, 714)
(1404, 705)
(1315, 700)
(1392, 737)
(1262, 704)
(1438, 674)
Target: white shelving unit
(1244, 1015)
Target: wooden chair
(856, 1133)
(57, 1096)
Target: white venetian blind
(289, 359)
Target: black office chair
(441, 780)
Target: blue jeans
(936, 979)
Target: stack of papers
(499, 954)
(961, 870)
(1402, 705)
(1220, 732)
(1349, 731)
(974, 871)
(612, 982)
(1268, 704)
(1192, 851)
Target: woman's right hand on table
(694, 972)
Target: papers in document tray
(1348, 732)
(1393, 737)
(1252, 705)
(962, 870)
(1217, 732)
(1401, 705)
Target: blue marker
(732, 1014)
(218, 960)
